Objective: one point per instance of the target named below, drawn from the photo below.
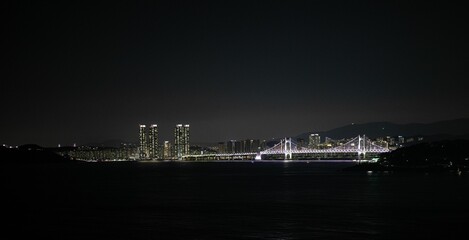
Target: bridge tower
(361, 146)
(287, 149)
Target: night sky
(81, 72)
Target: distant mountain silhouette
(448, 129)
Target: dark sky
(78, 72)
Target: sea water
(222, 200)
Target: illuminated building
(153, 142)
(314, 141)
(238, 147)
(221, 147)
(247, 145)
(167, 150)
(300, 143)
(181, 141)
(142, 151)
(255, 145)
(250, 145)
(230, 146)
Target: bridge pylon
(287, 149)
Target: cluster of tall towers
(149, 147)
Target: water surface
(131, 200)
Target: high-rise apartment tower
(181, 140)
(142, 150)
(153, 142)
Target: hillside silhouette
(30, 153)
(449, 129)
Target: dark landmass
(447, 155)
(30, 153)
(450, 129)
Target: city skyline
(303, 147)
(144, 135)
(79, 73)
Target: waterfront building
(255, 145)
(90, 153)
(314, 141)
(167, 150)
(247, 145)
(142, 150)
(221, 147)
(181, 140)
(230, 146)
(250, 145)
(300, 143)
(153, 142)
(238, 147)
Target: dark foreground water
(132, 200)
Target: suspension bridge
(359, 148)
